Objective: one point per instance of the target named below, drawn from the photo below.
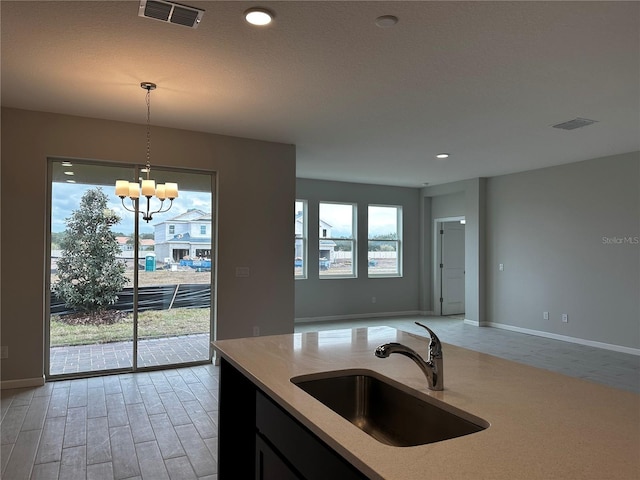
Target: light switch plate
(242, 271)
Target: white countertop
(543, 425)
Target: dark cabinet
(259, 439)
(270, 465)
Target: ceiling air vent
(171, 12)
(575, 123)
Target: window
(337, 249)
(172, 229)
(384, 238)
(300, 241)
(203, 229)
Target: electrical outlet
(256, 331)
(501, 267)
(545, 315)
(374, 299)
(4, 352)
(565, 318)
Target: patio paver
(107, 356)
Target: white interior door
(452, 268)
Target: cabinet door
(269, 465)
(236, 424)
(304, 451)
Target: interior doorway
(449, 266)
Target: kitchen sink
(387, 410)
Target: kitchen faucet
(432, 367)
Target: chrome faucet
(432, 367)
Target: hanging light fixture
(149, 188)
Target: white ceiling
(483, 81)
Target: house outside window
(384, 241)
(300, 240)
(185, 240)
(337, 240)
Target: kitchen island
(542, 425)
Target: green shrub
(89, 274)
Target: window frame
(399, 243)
(304, 239)
(353, 240)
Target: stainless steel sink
(387, 410)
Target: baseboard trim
(564, 338)
(357, 316)
(22, 383)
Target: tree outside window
(90, 276)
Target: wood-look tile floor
(158, 425)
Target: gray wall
(322, 298)
(256, 193)
(451, 205)
(555, 230)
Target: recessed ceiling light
(258, 16)
(67, 164)
(386, 21)
(71, 181)
(69, 173)
(442, 155)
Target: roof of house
(122, 240)
(186, 237)
(191, 215)
(145, 242)
(299, 218)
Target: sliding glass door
(174, 280)
(127, 294)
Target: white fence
(341, 255)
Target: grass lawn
(151, 324)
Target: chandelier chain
(148, 187)
(148, 99)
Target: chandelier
(148, 187)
